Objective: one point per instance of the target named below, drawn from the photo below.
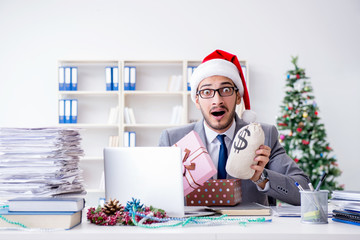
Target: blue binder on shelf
(115, 78)
(74, 110)
(67, 78)
(127, 78)
(74, 78)
(61, 78)
(108, 78)
(132, 78)
(67, 110)
(61, 111)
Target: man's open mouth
(218, 113)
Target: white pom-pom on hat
(221, 63)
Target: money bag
(242, 153)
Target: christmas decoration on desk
(302, 134)
(114, 214)
(136, 214)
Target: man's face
(218, 111)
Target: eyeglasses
(223, 92)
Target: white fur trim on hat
(215, 67)
(248, 116)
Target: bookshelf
(152, 103)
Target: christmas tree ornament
(305, 115)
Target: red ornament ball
(305, 142)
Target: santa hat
(221, 63)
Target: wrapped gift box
(220, 192)
(197, 164)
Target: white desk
(279, 228)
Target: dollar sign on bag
(242, 143)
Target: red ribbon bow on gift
(187, 167)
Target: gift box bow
(190, 166)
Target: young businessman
(217, 86)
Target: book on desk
(43, 204)
(52, 220)
(35, 212)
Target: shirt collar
(211, 134)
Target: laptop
(152, 175)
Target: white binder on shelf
(74, 110)
(74, 78)
(67, 111)
(132, 78)
(61, 111)
(108, 81)
(67, 78)
(127, 78)
(115, 78)
(61, 78)
(132, 139)
(126, 139)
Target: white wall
(325, 34)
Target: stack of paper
(39, 162)
(347, 207)
(349, 200)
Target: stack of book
(46, 213)
(38, 162)
(347, 206)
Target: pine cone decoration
(111, 207)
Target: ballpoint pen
(323, 176)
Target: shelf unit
(151, 101)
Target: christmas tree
(301, 133)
